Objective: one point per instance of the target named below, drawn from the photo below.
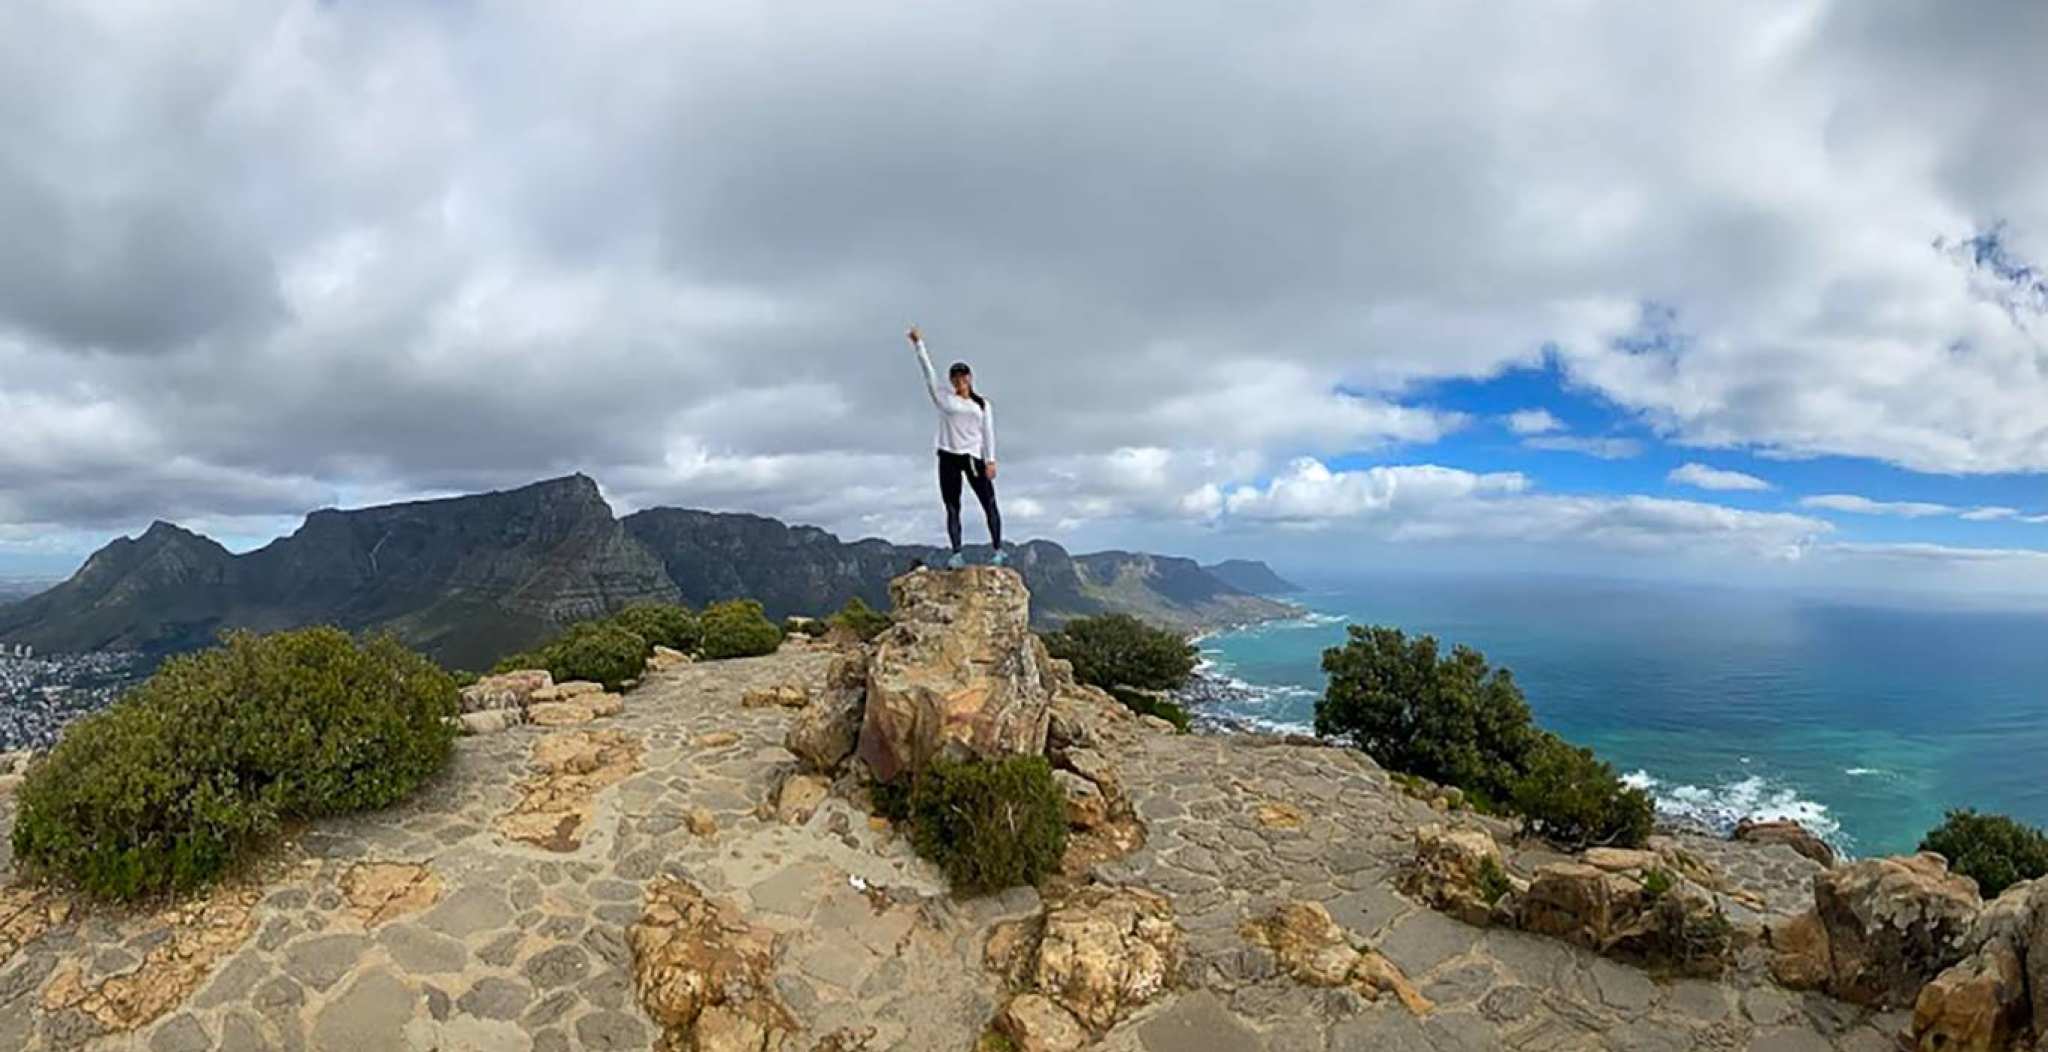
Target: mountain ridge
(469, 578)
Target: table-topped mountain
(467, 579)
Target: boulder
(798, 798)
(1893, 924)
(1799, 952)
(1460, 870)
(960, 675)
(1106, 951)
(1789, 833)
(665, 658)
(825, 732)
(1977, 1005)
(1087, 808)
(704, 972)
(1649, 916)
(490, 721)
(1311, 947)
(572, 689)
(1033, 1023)
(509, 690)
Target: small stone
(180, 1033)
(468, 911)
(421, 951)
(799, 797)
(239, 1033)
(561, 966)
(611, 1030)
(370, 1014)
(493, 997)
(1035, 1024)
(321, 961)
(279, 994)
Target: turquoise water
(1863, 721)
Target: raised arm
(931, 379)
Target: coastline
(1217, 700)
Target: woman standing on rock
(967, 448)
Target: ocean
(1865, 722)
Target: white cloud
(1533, 422)
(1432, 503)
(1990, 513)
(1704, 477)
(1606, 448)
(1849, 502)
(1309, 492)
(266, 254)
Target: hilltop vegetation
(1456, 720)
(175, 783)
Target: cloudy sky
(1732, 290)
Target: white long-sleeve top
(964, 427)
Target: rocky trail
(666, 876)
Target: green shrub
(738, 628)
(1656, 882)
(1451, 719)
(1118, 650)
(1493, 881)
(804, 626)
(1457, 721)
(600, 651)
(861, 619)
(1570, 796)
(1994, 850)
(989, 824)
(662, 625)
(1151, 705)
(176, 782)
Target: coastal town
(40, 693)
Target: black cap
(957, 368)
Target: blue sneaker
(1000, 559)
(957, 562)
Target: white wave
(1720, 807)
(1862, 772)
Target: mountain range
(468, 579)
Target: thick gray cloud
(264, 256)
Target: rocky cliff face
(464, 579)
(167, 588)
(1251, 575)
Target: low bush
(861, 619)
(1118, 650)
(804, 626)
(989, 825)
(1458, 721)
(1493, 881)
(1152, 705)
(738, 628)
(1570, 796)
(1994, 850)
(1452, 718)
(176, 782)
(600, 651)
(662, 625)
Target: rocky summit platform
(662, 877)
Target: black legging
(951, 467)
